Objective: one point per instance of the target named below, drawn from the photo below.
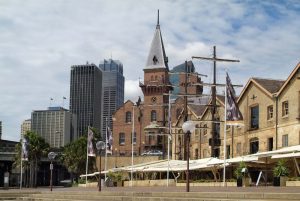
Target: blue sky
(41, 40)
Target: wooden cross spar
(214, 149)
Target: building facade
(54, 125)
(0, 130)
(112, 90)
(25, 126)
(85, 97)
(271, 111)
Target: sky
(41, 40)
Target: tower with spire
(156, 84)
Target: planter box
(246, 181)
(91, 184)
(213, 184)
(279, 181)
(292, 183)
(162, 182)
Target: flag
(91, 150)
(24, 149)
(233, 114)
(109, 141)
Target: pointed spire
(157, 26)
(157, 55)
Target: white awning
(290, 155)
(278, 151)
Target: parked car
(153, 153)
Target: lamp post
(51, 157)
(100, 145)
(188, 127)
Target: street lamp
(51, 156)
(188, 127)
(100, 145)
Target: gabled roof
(268, 86)
(271, 85)
(296, 69)
(198, 110)
(219, 98)
(157, 56)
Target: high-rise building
(85, 97)
(0, 130)
(112, 90)
(26, 126)
(54, 125)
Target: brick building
(151, 115)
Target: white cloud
(132, 90)
(40, 40)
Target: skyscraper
(26, 126)
(54, 125)
(0, 129)
(113, 90)
(85, 96)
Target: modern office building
(0, 130)
(25, 126)
(112, 90)
(54, 125)
(85, 96)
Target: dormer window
(155, 61)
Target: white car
(153, 153)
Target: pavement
(259, 189)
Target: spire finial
(157, 18)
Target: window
(153, 115)
(254, 145)
(270, 144)
(238, 148)
(205, 153)
(254, 117)
(285, 108)
(227, 151)
(128, 117)
(285, 140)
(205, 129)
(270, 112)
(196, 154)
(121, 138)
(134, 138)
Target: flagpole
(21, 171)
(105, 161)
(87, 159)
(225, 118)
(169, 121)
(132, 145)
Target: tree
(37, 148)
(74, 154)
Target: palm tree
(37, 148)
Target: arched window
(128, 117)
(153, 115)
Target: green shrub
(238, 171)
(280, 169)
